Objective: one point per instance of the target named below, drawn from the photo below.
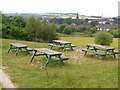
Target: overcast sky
(109, 8)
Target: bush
(103, 38)
(40, 30)
(115, 33)
(67, 30)
(60, 30)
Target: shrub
(103, 38)
(115, 33)
(61, 28)
(67, 30)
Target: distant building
(106, 27)
(77, 19)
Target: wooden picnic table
(105, 50)
(62, 44)
(19, 48)
(49, 54)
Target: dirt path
(5, 80)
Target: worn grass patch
(78, 72)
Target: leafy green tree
(13, 27)
(94, 23)
(40, 30)
(49, 32)
(67, 30)
(103, 38)
(61, 28)
(115, 33)
(19, 21)
(33, 27)
(68, 21)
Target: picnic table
(105, 50)
(49, 54)
(62, 44)
(20, 48)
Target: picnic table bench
(19, 48)
(49, 54)
(105, 50)
(62, 44)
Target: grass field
(78, 72)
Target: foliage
(88, 31)
(115, 33)
(103, 38)
(40, 30)
(94, 23)
(67, 30)
(61, 28)
(13, 27)
(33, 29)
(68, 21)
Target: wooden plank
(48, 51)
(100, 47)
(56, 45)
(18, 44)
(92, 51)
(62, 42)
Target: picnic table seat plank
(56, 45)
(64, 58)
(29, 49)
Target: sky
(105, 8)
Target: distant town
(100, 22)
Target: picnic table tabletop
(100, 47)
(18, 44)
(62, 42)
(48, 51)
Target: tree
(115, 33)
(33, 28)
(94, 23)
(103, 38)
(61, 28)
(67, 30)
(13, 27)
(68, 21)
(40, 30)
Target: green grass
(78, 72)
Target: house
(106, 27)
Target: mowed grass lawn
(78, 72)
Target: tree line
(71, 21)
(42, 30)
(32, 29)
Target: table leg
(17, 51)
(47, 61)
(10, 48)
(113, 54)
(85, 52)
(61, 60)
(51, 47)
(46, 56)
(33, 56)
(71, 47)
